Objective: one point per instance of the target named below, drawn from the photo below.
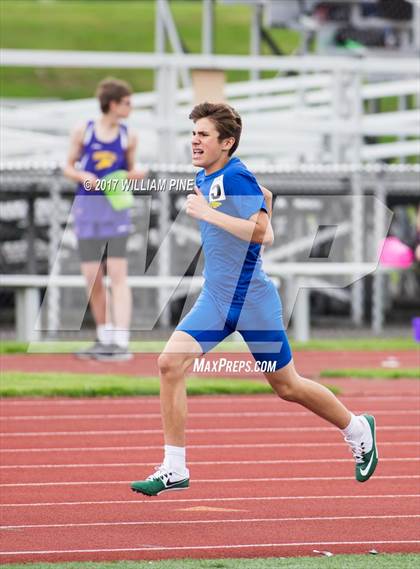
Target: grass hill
(110, 25)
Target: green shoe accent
(366, 468)
(159, 482)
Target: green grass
(110, 26)
(21, 384)
(7, 347)
(377, 373)
(370, 344)
(153, 346)
(395, 561)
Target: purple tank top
(93, 214)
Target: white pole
(207, 37)
(167, 149)
(301, 316)
(54, 262)
(159, 35)
(357, 290)
(378, 277)
(255, 47)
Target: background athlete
(234, 219)
(98, 148)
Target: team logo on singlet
(104, 159)
(217, 192)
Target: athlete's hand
(88, 180)
(136, 174)
(197, 205)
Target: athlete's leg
(202, 328)
(91, 253)
(359, 431)
(289, 385)
(93, 273)
(173, 363)
(117, 269)
(263, 331)
(269, 343)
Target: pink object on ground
(395, 254)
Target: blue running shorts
(210, 321)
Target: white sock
(121, 338)
(104, 333)
(174, 460)
(355, 429)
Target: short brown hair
(111, 89)
(227, 121)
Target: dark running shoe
(92, 351)
(114, 353)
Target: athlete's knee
(289, 389)
(117, 271)
(286, 391)
(169, 364)
(94, 281)
(118, 279)
(286, 382)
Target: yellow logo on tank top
(104, 159)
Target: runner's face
(121, 108)
(208, 151)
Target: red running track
(268, 479)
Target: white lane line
(158, 415)
(207, 547)
(232, 521)
(159, 431)
(193, 415)
(154, 400)
(210, 481)
(200, 463)
(159, 447)
(136, 502)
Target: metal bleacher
(286, 120)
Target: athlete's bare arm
(73, 156)
(256, 229)
(133, 172)
(268, 196)
(131, 150)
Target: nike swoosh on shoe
(364, 471)
(175, 482)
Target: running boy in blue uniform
(234, 216)
(97, 149)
